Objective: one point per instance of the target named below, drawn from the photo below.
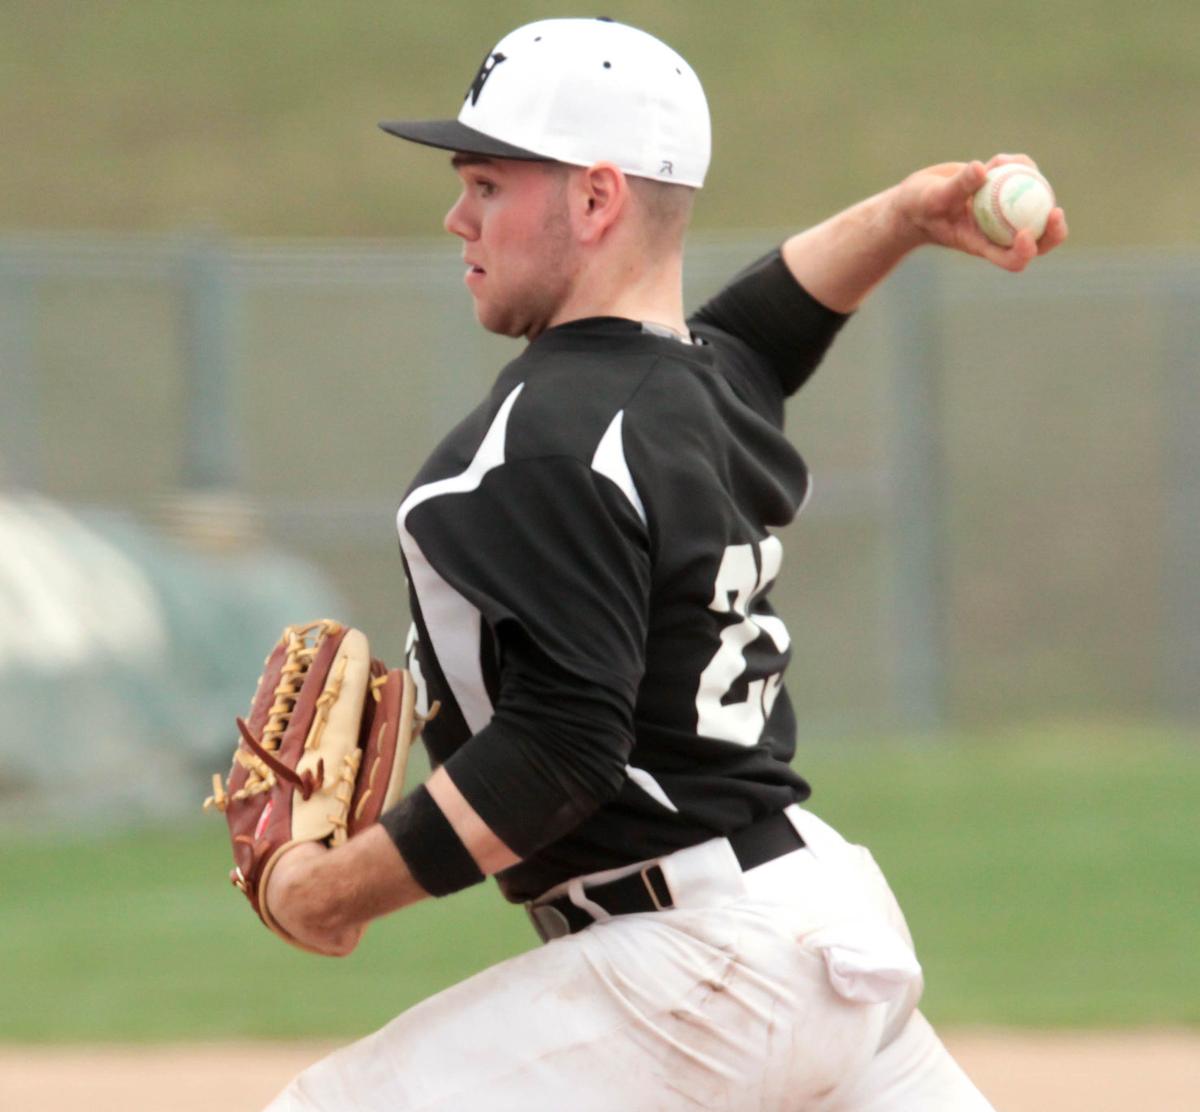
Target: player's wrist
(901, 218)
(305, 904)
(284, 882)
(287, 894)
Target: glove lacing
(263, 770)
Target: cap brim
(450, 135)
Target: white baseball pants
(789, 987)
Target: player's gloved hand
(934, 204)
(320, 757)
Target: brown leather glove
(321, 756)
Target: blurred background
(231, 328)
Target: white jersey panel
(650, 786)
(455, 625)
(610, 462)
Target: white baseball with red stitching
(1013, 196)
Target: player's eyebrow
(461, 159)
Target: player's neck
(634, 287)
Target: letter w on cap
(489, 63)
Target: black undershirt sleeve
(555, 559)
(770, 312)
(554, 751)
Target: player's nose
(458, 221)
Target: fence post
(916, 625)
(209, 322)
(1180, 667)
(21, 460)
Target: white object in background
(68, 596)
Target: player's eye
(484, 187)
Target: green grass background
(1048, 873)
(259, 118)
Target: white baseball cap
(581, 91)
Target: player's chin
(499, 319)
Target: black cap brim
(450, 135)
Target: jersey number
(740, 580)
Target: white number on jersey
(739, 583)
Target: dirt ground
(1020, 1072)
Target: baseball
(1013, 196)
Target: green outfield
(260, 118)
(1048, 874)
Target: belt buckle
(655, 899)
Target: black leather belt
(647, 889)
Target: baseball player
(589, 555)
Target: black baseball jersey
(589, 556)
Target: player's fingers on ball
(1023, 250)
(968, 180)
(950, 195)
(974, 242)
(1007, 258)
(1004, 159)
(1056, 231)
(1014, 257)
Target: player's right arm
(841, 260)
(788, 306)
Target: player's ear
(601, 194)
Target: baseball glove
(321, 756)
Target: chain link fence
(1006, 512)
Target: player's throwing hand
(936, 203)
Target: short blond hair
(666, 209)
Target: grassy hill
(259, 118)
